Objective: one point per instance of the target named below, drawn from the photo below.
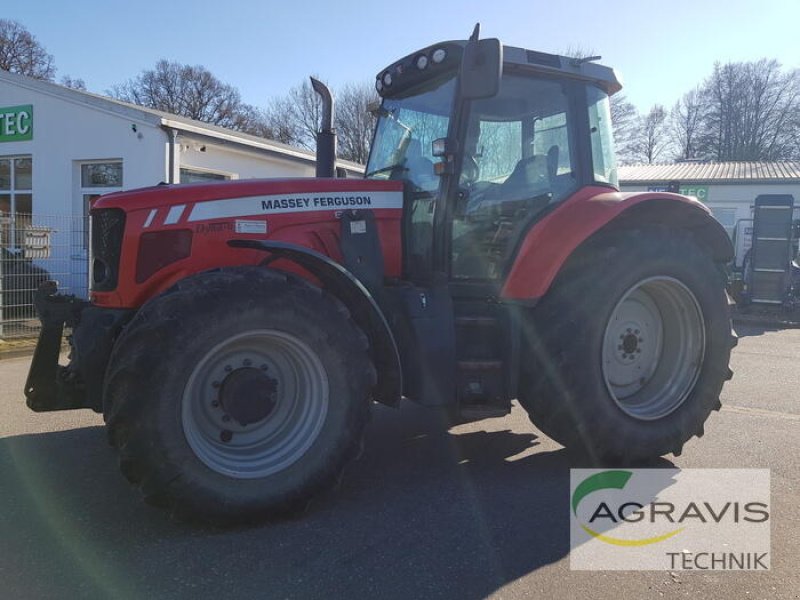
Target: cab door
(518, 162)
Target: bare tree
(295, 117)
(188, 91)
(686, 124)
(75, 83)
(21, 52)
(651, 137)
(751, 111)
(625, 124)
(354, 122)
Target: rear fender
(362, 306)
(549, 243)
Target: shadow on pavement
(423, 513)
(744, 330)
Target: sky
(662, 49)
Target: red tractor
(238, 332)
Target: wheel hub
(255, 403)
(630, 343)
(653, 348)
(248, 395)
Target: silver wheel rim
(255, 404)
(653, 348)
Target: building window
(16, 198)
(98, 178)
(101, 175)
(195, 176)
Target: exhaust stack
(326, 136)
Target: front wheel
(238, 394)
(627, 354)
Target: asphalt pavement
(478, 510)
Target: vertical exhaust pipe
(326, 136)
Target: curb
(17, 348)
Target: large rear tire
(238, 394)
(626, 356)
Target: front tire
(627, 354)
(238, 394)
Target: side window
(516, 161)
(498, 151)
(550, 137)
(604, 160)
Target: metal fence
(36, 248)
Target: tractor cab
(487, 139)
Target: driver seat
(532, 176)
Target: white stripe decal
(150, 218)
(294, 203)
(174, 214)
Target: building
(728, 188)
(61, 148)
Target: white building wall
(237, 162)
(66, 133)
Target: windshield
(406, 128)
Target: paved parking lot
(480, 510)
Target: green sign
(16, 123)
(698, 191)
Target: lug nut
(247, 362)
(264, 367)
(228, 368)
(226, 435)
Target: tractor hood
(322, 194)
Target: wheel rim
(255, 403)
(653, 348)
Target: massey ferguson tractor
(238, 333)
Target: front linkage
(51, 386)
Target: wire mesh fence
(33, 249)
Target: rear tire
(626, 356)
(238, 394)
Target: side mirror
(481, 68)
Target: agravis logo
(613, 480)
(665, 518)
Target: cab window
(517, 161)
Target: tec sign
(16, 123)
(698, 191)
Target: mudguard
(363, 308)
(551, 241)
